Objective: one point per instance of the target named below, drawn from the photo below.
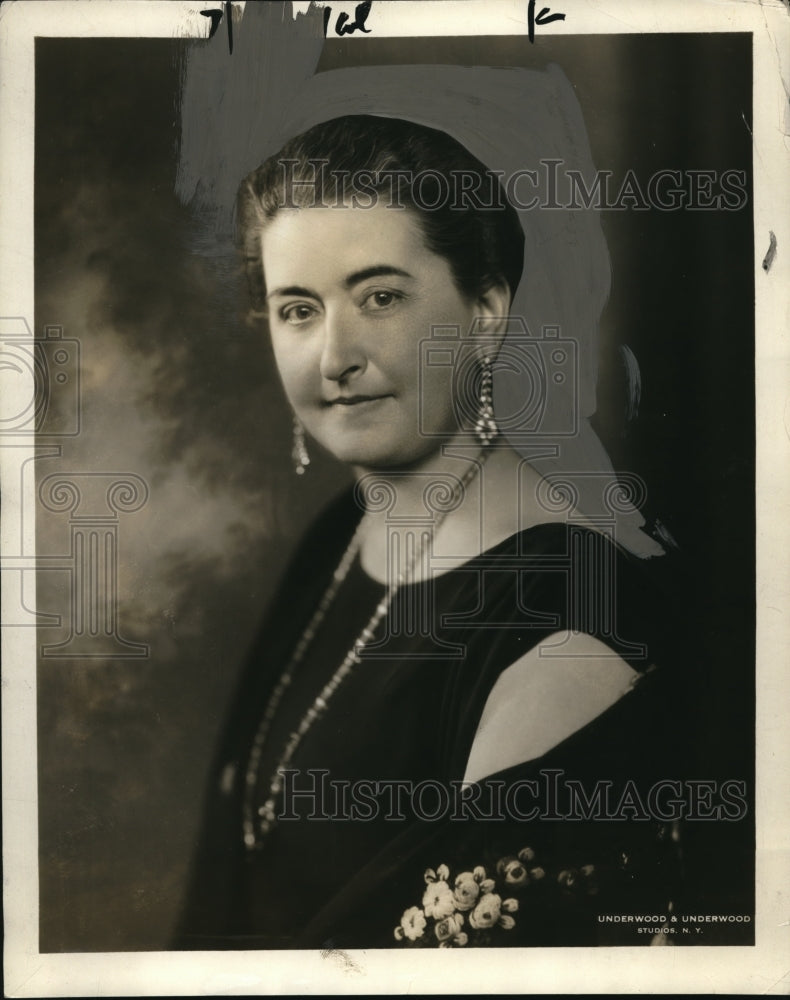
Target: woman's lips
(354, 401)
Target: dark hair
(464, 214)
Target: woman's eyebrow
(377, 271)
(292, 290)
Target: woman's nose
(342, 354)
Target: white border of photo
(762, 969)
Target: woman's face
(352, 294)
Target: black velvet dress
(378, 844)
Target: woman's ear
(493, 307)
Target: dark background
(179, 389)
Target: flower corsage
(463, 910)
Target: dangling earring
(486, 428)
(299, 451)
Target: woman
(435, 735)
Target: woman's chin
(373, 460)
(376, 456)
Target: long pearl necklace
(255, 830)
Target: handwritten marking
(216, 19)
(544, 16)
(342, 27)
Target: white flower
(467, 890)
(441, 874)
(448, 930)
(412, 924)
(487, 911)
(438, 900)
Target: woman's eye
(381, 300)
(296, 314)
